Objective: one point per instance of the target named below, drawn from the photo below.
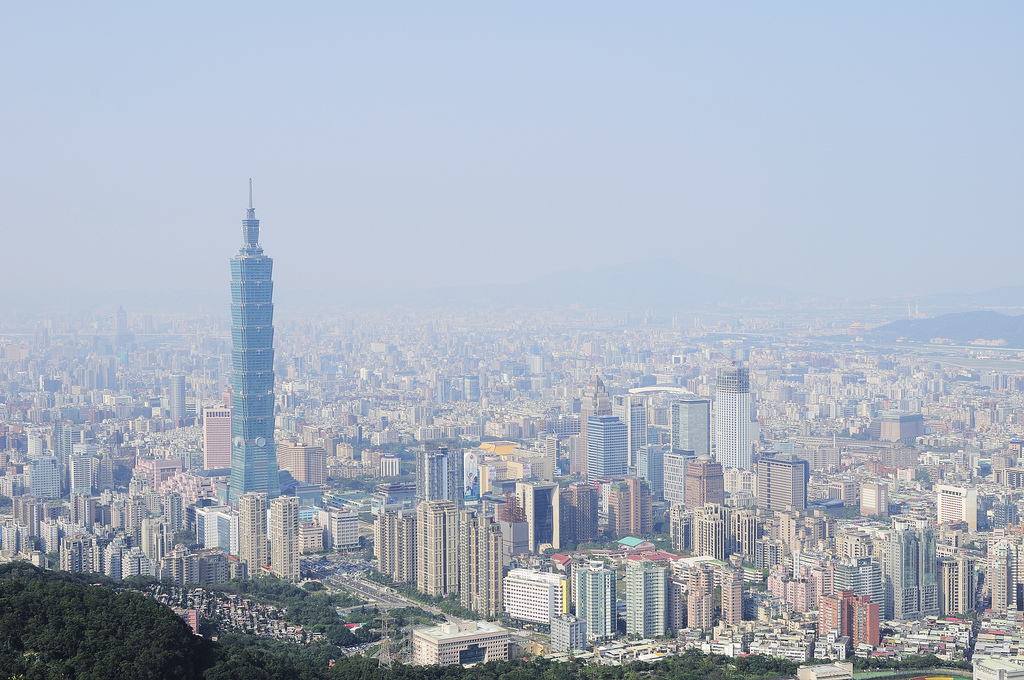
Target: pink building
(216, 437)
(159, 471)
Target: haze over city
(865, 149)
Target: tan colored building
(957, 585)
(437, 548)
(394, 545)
(832, 671)
(732, 597)
(284, 538)
(308, 464)
(311, 537)
(710, 531)
(252, 531)
(874, 499)
(480, 566)
(464, 643)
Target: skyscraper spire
(251, 227)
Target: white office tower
(957, 504)
(536, 596)
(284, 537)
(631, 409)
(44, 477)
(691, 426)
(80, 472)
(646, 598)
(594, 596)
(732, 418)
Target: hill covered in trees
(61, 625)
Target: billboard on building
(471, 476)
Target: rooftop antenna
(250, 193)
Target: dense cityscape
(573, 484)
(511, 341)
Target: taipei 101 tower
(253, 453)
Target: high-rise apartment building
(848, 614)
(594, 596)
(394, 544)
(650, 467)
(480, 564)
(646, 598)
(865, 621)
(253, 453)
(835, 613)
(216, 438)
(911, 583)
(80, 474)
(700, 598)
(1001, 576)
(177, 398)
(691, 426)
(957, 593)
(437, 546)
(631, 409)
(705, 483)
(711, 532)
(732, 596)
(629, 508)
(542, 507)
(595, 402)
(957, 504)
(579, 513)
(861, 576)
(782, 482)
(874, 499)
(607, 447)
(439, 475)
(252, 532)
(732, 418)
(284, 538)
(746, 532)
(680, 526)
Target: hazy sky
(842, 148)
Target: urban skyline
(592, 335)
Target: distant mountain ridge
(961, 328)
